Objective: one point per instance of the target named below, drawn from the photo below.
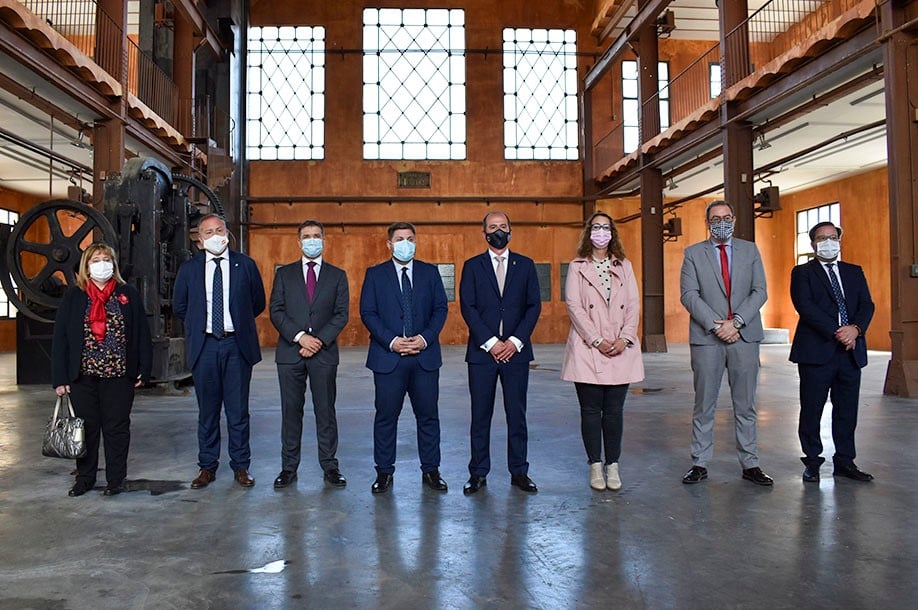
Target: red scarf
(97, 299)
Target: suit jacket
(814, 340)
(594, 317)
(381, 313)
(483, 307)
(67, 340)
(705, 296)
(246, 301)
(324, 318)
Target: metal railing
(91, 30)
(776, 28)
(150, 84)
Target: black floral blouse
(106, 358)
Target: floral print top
(106, 358)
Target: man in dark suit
(403, 305)
(500, 302)
(829, 347)
(723, 289)
(309, 308)
(218, 294)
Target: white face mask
(216, 244)
(101, 271)
(828, 249)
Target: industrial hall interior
(516, 304)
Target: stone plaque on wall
(414, 180)
(448, 275)
(543, 270)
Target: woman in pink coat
(602, 355)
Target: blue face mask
(312, 247)
(403, 250)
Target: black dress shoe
(433, 480)
(79, 488)
(811, 474)
(696, 474)
(334, 478)
(286, 477)
(474, 483)
(852, 472)
(524, 482)
(383, 483)
(757, 476)
(113, 490)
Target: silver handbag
(64, 436)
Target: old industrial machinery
(148, 212)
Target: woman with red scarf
(100, 352)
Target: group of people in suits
(102, 348)
(723, 288)
(403, 305)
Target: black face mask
(498, 239)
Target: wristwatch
(737, 323)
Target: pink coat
(593, 318)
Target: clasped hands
(726, 332)
(408, 346)
(503, 351)
(309, 345)
(612, 348)
(847, 335)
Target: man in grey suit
(309, 307)
(723, 289)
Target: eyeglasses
(821, 238)
(715, 219)
(599, 227)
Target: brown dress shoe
(205, 477)
(243, 478)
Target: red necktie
(725, 272)
(311, 280)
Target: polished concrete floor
(724, 543)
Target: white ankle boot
(597, 481)
(613, 481)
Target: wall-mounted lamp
(760, 142)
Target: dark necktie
(216, 321)
(311, 280)
(406, 303)
(839, 297)
(725, 272)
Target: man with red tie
(309, 308)
(723, 289)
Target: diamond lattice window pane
(413, 84)
(285, 111)
(540, 94)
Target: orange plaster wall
(12, 200)
(449, 232)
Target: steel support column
(737, 136)
(900, 56)
(653, 307)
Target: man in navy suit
(500, 302)
(830, 350)
(403, 305)
(218, 294)
(309, 308)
